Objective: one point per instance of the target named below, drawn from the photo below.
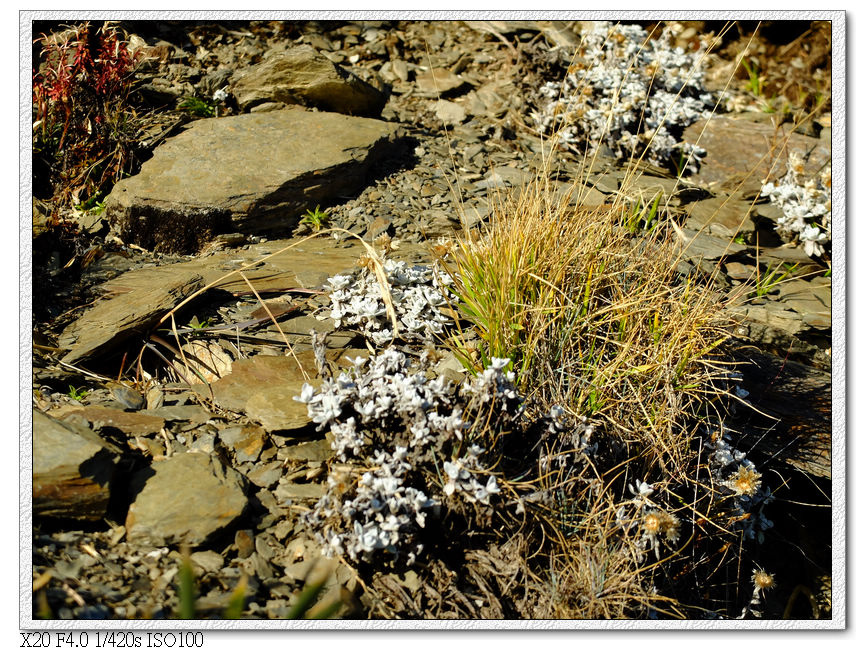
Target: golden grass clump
(589, 304)
(595, 316)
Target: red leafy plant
(83, 124)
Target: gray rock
(436, 82)
(303, 491)
(315, 450)
(113, 321)
(207, 561)
(133, 424)
(71, 473)
(184, 499)
(249, 173)
(301, 75)
(215, 80)
(722, 216)
(770, 323)
(449, 112)
(708, 247)
(789, 255)
(266, 476)
(263, 387)
(739, 271)
(247, 441)
(741, 151)
(188, 413)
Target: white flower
(642, 489)
(306, 394)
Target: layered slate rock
(115, 320)
(184, 499)
(71, 473)
(301, 75)
(264, 387)
(250, 173)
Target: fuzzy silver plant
(631, 93)
(418, 294)
(739, 478)
(389, 418)
(806, 204)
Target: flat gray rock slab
(115, 320)
(71, 473)
(184, 498)
(701, 246)
(248, 173)
(742, 151)
(721, 216)
(132, 424)
(301, 75)
(263, 388)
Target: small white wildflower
(306, 394)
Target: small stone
(246, 441)
(722, 217)
(266, 476)
(129, 397)
(437, 81)
(155, 398)
(739, 271)
(449, 112)
(304, 491)
(243, 540)
(316, 450)
(208, 561)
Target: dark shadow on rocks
(791, 425)
(163, 231)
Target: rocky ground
(382, 125)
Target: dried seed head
(385, 243)
(658, 522)
(745, 482)
(652, 523)
(366, 262)
(763, 580)
(442, 248)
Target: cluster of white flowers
(494, 383)
(740, 478)
(639, 93)
(393, 419)
(417, 292)
(383, 515)
(806, 204)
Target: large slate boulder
(303, 76)
(250, 173)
